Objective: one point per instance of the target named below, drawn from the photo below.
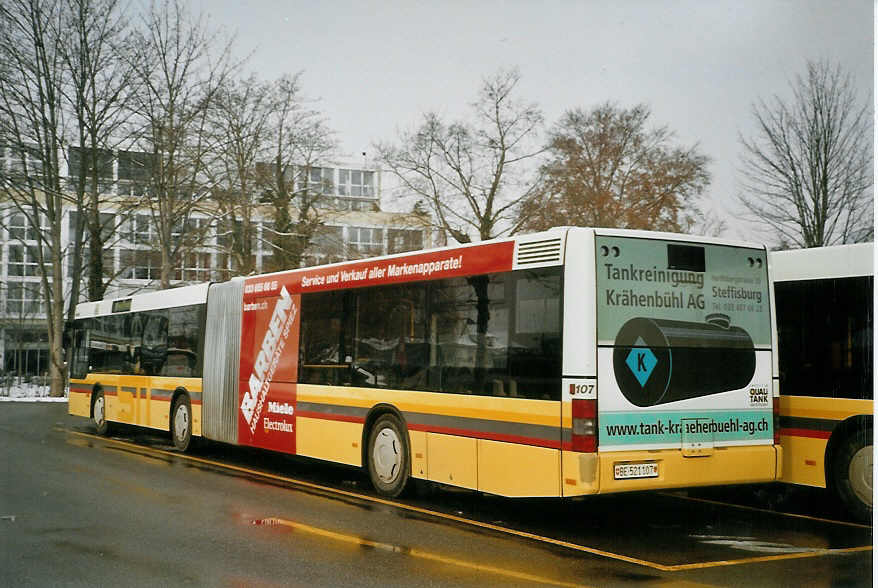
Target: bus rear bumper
(625, 471)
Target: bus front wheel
(99, 413)
(181, 423)
(388, 456)
(852, 473)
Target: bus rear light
(585, 425)
(775, 405)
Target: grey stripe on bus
(337, 409)
(544, 432)
(162, 393)
(129, 389)
(791, 422)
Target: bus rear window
(685, 257)
(709, 290)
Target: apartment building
(354, 226)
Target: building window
(135, 171)
(140, 265)
(24, 260)
(138, 229)
(21, 229)
(196, 267)
(321, 179)
(90, 162)
(365, 241)
(401, 240)
(23, 298)
(355, 182)
(19, 160)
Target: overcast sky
(376, 66)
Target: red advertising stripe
(487, 435)
(431, 265)
(809, 433)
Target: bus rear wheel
(99, 413)
(388, 456)
(181, 423)
(852, 473)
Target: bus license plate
(625, 471)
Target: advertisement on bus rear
(684, 344)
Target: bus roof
(552, 253)
(840, 261)
(170, 298)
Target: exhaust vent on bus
(536, 253)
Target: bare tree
(807, 174)
(472, 173)
(239, 122)
(607, 168)
(179, 65)
(32, 126)
(299, 140)
(99, 87)
(268, 139)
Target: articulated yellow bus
(825, 299)
(571, 362)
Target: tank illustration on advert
(657, 361)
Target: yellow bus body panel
(805, 462)
(452, 460)
(79, 403)
(511, 469)
(457, 459)
(726, 465)
(418, 446)
(330, 440)
(130, 399)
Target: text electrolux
(734, 293)
(639, 274)
(283, 426)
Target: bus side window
(325, 349)
(134, 334)
(154, 349)
(184, 334)
(80, 341)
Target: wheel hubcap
(387, 456)
(99, 411)
(181, 422)
(860, 474)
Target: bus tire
(852, 473)
(388, 456)
(181, 423)
(99, 413)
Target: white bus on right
(824, 300)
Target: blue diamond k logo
(641, 361)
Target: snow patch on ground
(27, 392)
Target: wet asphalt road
(81, 510)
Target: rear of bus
(668, 368)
